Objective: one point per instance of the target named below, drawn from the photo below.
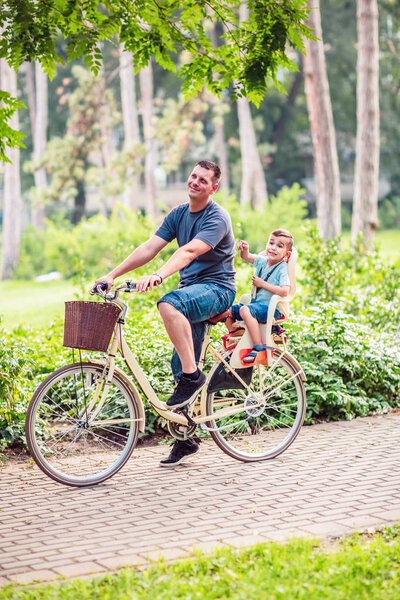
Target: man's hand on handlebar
(107, 279)
(147, 282)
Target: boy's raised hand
(243, 246)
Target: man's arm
(181, 257)
(140, 256)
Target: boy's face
(277, 248)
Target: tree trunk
(30, 92)
(79, 203)
(222, 153)
(12, 203)
(326, 163)
(254, 187)
(366, 177)
(130, 118)
(222, 150)
(146, 91)
(39, 144)
(280, 125)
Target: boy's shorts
(259, 310)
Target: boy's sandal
(252, 355)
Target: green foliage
(254, 50)
(15, 370)
(90, 249)
(356, 567)
(351, 369)
(389, 213)
(287, 209)
(364, 284)
(77, 160)
(180, 127)
(9, 137)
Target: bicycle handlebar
(100, 289)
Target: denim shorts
(197, 302)
(259, 310)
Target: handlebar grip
(102, 285)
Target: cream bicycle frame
(119, 343)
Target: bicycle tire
(62, 440)
(271, 418)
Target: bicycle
(84, 419)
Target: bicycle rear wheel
(74, 439)
(269, 413)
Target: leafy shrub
(360, 280)
(15, 371)
(351, 370)
(90, 249)
(287, 209)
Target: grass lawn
(388, 243)
(32, 303)
(365, 567)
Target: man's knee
(165, 308)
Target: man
(204, 259)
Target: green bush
(286, 210)
(360, 280)
(90, 249)
(15, 374)
(351, 369)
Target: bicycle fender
(133, 389)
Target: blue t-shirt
(280, 276)
(213, 226)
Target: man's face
(200, 184)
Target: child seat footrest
(260, 357)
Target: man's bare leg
(180, 333)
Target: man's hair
(211, 166)
(285, 234)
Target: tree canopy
(247, 53)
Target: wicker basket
(89, 325)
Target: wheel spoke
(272, 413)
(64, 443)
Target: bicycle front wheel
(268, 413)
(77, 433)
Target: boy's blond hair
(285, 234)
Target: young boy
(271, 277)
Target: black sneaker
(185, 389)
(181, 450)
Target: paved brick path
(334, 479)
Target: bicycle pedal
(185, 413)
